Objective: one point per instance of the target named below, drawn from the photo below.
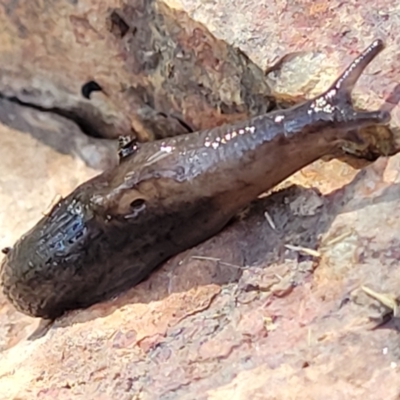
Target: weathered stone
(160, 62)
(156, 67)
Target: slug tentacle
(345, 83)
(335, 104)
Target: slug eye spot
(138, 203)
(136, 207)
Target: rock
(161, 72)
(57, 132)
(169, 66)
(191, 329)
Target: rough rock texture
(253, 312)
(240, 314)
(156, 67)
(171, 66)
(56, 132)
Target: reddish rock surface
(247, 314)
(155, 64)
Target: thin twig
(305, 250)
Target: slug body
(167, 196)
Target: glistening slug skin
(167, 196)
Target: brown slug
(167, 196)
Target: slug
(166, 196)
